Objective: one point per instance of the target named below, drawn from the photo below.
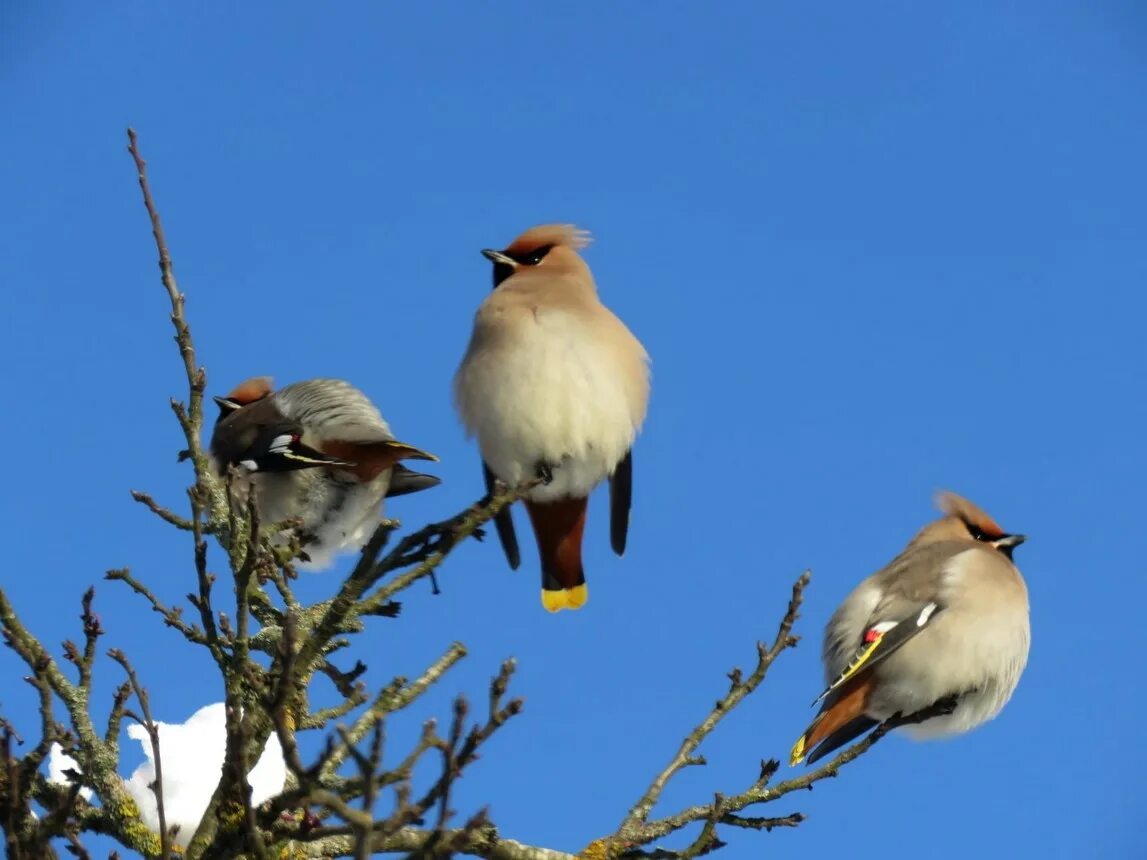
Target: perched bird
(947, 619)
(555, 387)
(317, 450)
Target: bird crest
(549, 234)
(958, 506)
(250, 390)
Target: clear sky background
(873, 249)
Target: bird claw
(545, 473)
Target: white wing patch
(281, 444)
(925, 614)
(883, 627)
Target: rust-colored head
(964, 520)
(245, 393)
(547, 248)
(975, 519)
(250, 390)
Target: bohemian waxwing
(317, 450)
(555, 387)
(946, 619)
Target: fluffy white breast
(338, 515)
(548, 389)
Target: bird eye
(536, 256)
(977, 533)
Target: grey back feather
(326, 405)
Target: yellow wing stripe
(866, 651)
(314, 461)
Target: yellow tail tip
(566, 598)
(798, 752)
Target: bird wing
(279, 448)
(504, 524)
(620, 499)
(368, 460)
(882, 638)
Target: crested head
(564, 235)
(972, 516)
(250, 390)
(244, 394)
(548, 248)
(965, 521)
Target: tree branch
(153, 735)
(739, 688)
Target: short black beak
(504, 266)
(226, 407)
(497, 257)
(1007, 543)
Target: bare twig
(153, 735)
(163, 513)
(738, 690)
(394, 697)
(483, 841)
(172, 616)
(638, 829)
(98, 756)
(191, 418)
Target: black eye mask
(524, 258)
(531, 258)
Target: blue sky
(873, 250)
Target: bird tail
(370, 459)
(558, 528)
(404, 480)
(840, 720)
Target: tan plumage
(947, 617)
(553, 383)
(318, 451)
